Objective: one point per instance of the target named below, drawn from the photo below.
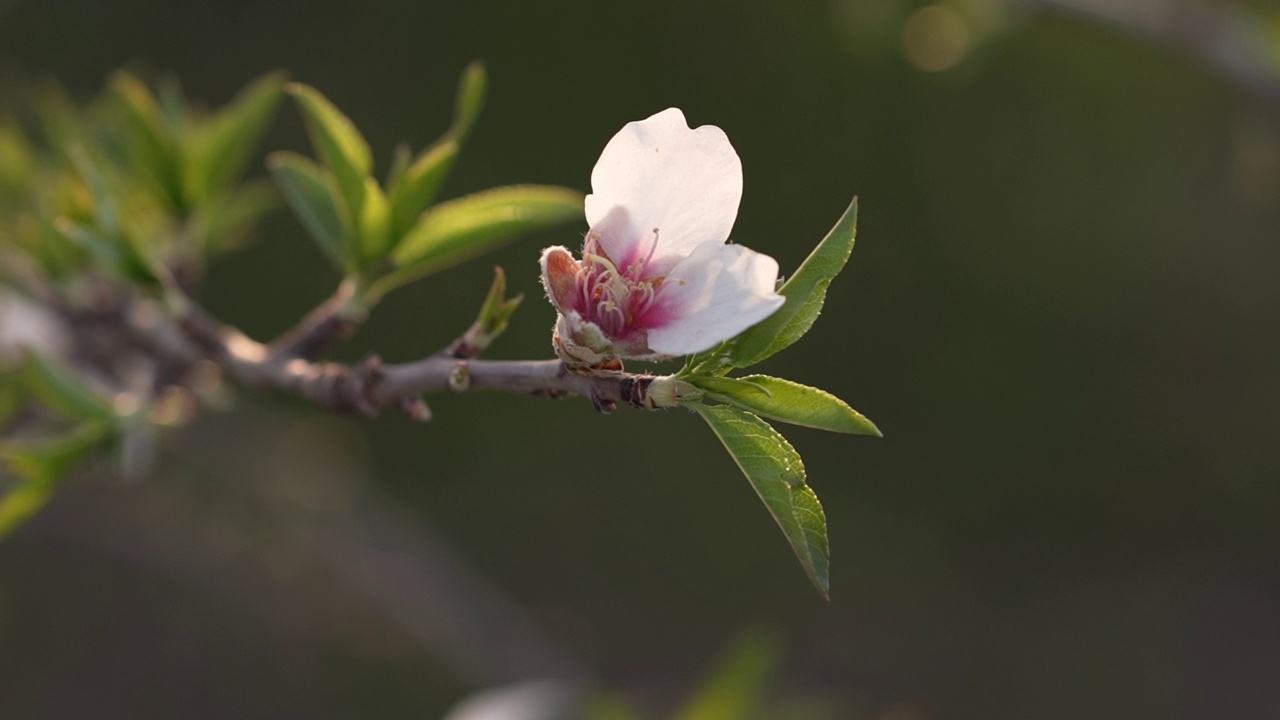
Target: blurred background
(1062, 311)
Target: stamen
(638, 268)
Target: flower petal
(714, 294)
(559, 278)
(686, 183)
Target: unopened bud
(667, 392)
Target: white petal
(687, 183)
(714, 294)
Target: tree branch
(370, 386)
(332, 321)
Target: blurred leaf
(105, 212)
(226, 218)
(787, 401)
(375, 225)
(112, 251)
(309, 189)
(12, 394)
(805, 292)
(64, 392)
(173, 104)
(17, 158)
(150, 148)
(417, 186)
(340, 146)
(776, 472)
(735, 689)
(460, 229)
(472, 89)
(40, 467)
(400, 160)
(223, 145)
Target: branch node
(460, 377)
(602, 404)
(415, 407)
(635, 390)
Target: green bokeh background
(1062, 311)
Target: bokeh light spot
(935, 38)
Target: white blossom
(657, 278)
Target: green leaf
(64, 392)
(40, 467)
(224, 144)
(400, 160)
(225, 219)
(460, 229)
(776, 472)
(12, 396)
(472, 89)
(114, 251)
(420, 183)
(735, 689)
(152, 150)
(413, 189)
(340, 146)
(310, 189)
(495, 313)
(375, 225)
(790, 402)
(805, 292)
(17, 157)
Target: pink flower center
(616, 300)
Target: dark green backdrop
(1062, 312)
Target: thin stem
(322, 328)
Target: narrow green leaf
(400, 160)
(420, 183)
(776, 472)
(460, 229)
(735, 689)
(310, 189)
(64, 392)
(17, 157)
(114, 252)
(493, 319)
(226, 218)
(105, 213)
(224, 144)
(152, 150)
(417, 186)
(472, 89)
(339, 145)
(805, 292)
(12, 396)
(790, 402)
(375, 225)
(173, 105)
(40, 467)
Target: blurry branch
(322, 328)
(1219, 36)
